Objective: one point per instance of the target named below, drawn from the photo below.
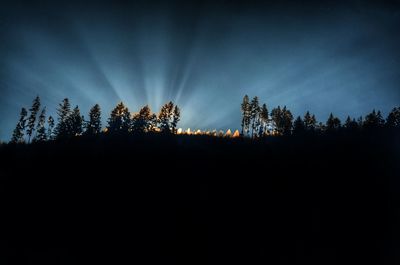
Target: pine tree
(380, 120)
(254, 115)
(264, 120)
(245, 107)
(350, 124)
(63, 128)
(283, 119)
(153, 121)
(18, 133)
(287, 121)
(50, 122)
(333, 123)
(141, 121)
(165, 116)
(276, 117)
(310, 121)
(76, 121)
(32, 117)
(373, 120)
(40, 129)
(298, 126)
(93, 126)
(119, 121)
(393, 119)
(175, 118)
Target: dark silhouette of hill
(184, 199)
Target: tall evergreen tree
(254, 115)
(32, 117)
(120, 120)
(333, 123)
(283, 119)
(393, 119)
(165, 116)
(288, 120)
(373, 120)
(76, 121)
(176, 116)
(153, 122)
(18, 133)
(310, 122)
(40, 128)
(63, 128)
(350, 124)
(264, 118)
(50, 122)
(141, 121)
(93, 126)
(298, 126)
(276, 117)
(246, 110)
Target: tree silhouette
(254, 115)
(76, 122)
(176, 116)
(263, 120)
(153, 122)
(310, 121)
(63, 128)
(142, 120)
(32, 117)
(50, 122)
(18, 133)
(393, 119)
(93, 126)
(333, 123)
(165, 117)
(298, 126)
(373, 120)
(119, 121)
(283, 119)
(350, 124)
(246, 110)
(40, 129)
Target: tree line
(257, 121)
(35, 127)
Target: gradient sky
(323, 56)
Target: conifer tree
(50, 122)
(263, 120)
(245, 107)
(120, 120)
(165, 116)
(373, 120)
(18, 133)
(298, 126)
(333, 123)
(141, 121)
(393, 119)
(40, 128)
(76, 121)
(63, 128)
(254, 115)
(93, 126)
(310, 121)
(176, 116)
(32, 118)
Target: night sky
(323, 56)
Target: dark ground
(330, 199)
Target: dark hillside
(330, 199)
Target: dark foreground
(198, 200)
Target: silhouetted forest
(256, 122)
(289, 191)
